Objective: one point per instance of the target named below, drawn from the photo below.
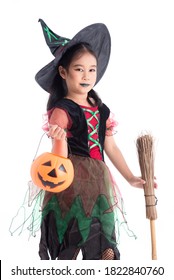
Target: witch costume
(87, 215)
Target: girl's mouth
(85, 85)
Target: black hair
(61, 84)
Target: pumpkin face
(51, 172)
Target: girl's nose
(85, 76)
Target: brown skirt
(85, 216)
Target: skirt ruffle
(87, 215)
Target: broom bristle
(146, 162)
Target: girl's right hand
(56, 132)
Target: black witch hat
(96, 35)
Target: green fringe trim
(84, 222)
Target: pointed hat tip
(41, 21)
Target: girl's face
(81, 75)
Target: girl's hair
(65, 61)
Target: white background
(137, 86)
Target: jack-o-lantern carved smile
(52, 173)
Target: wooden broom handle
(153, 239)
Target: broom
(146, 162)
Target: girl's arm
(116, 157)
(59, 143)
(58, 124)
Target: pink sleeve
(57, 116)
(111, 125)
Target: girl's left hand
(138, 182)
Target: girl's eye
(79, 69)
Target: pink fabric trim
(111, 125)
(45, 118)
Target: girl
(85, 216)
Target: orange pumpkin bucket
(51, 172)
